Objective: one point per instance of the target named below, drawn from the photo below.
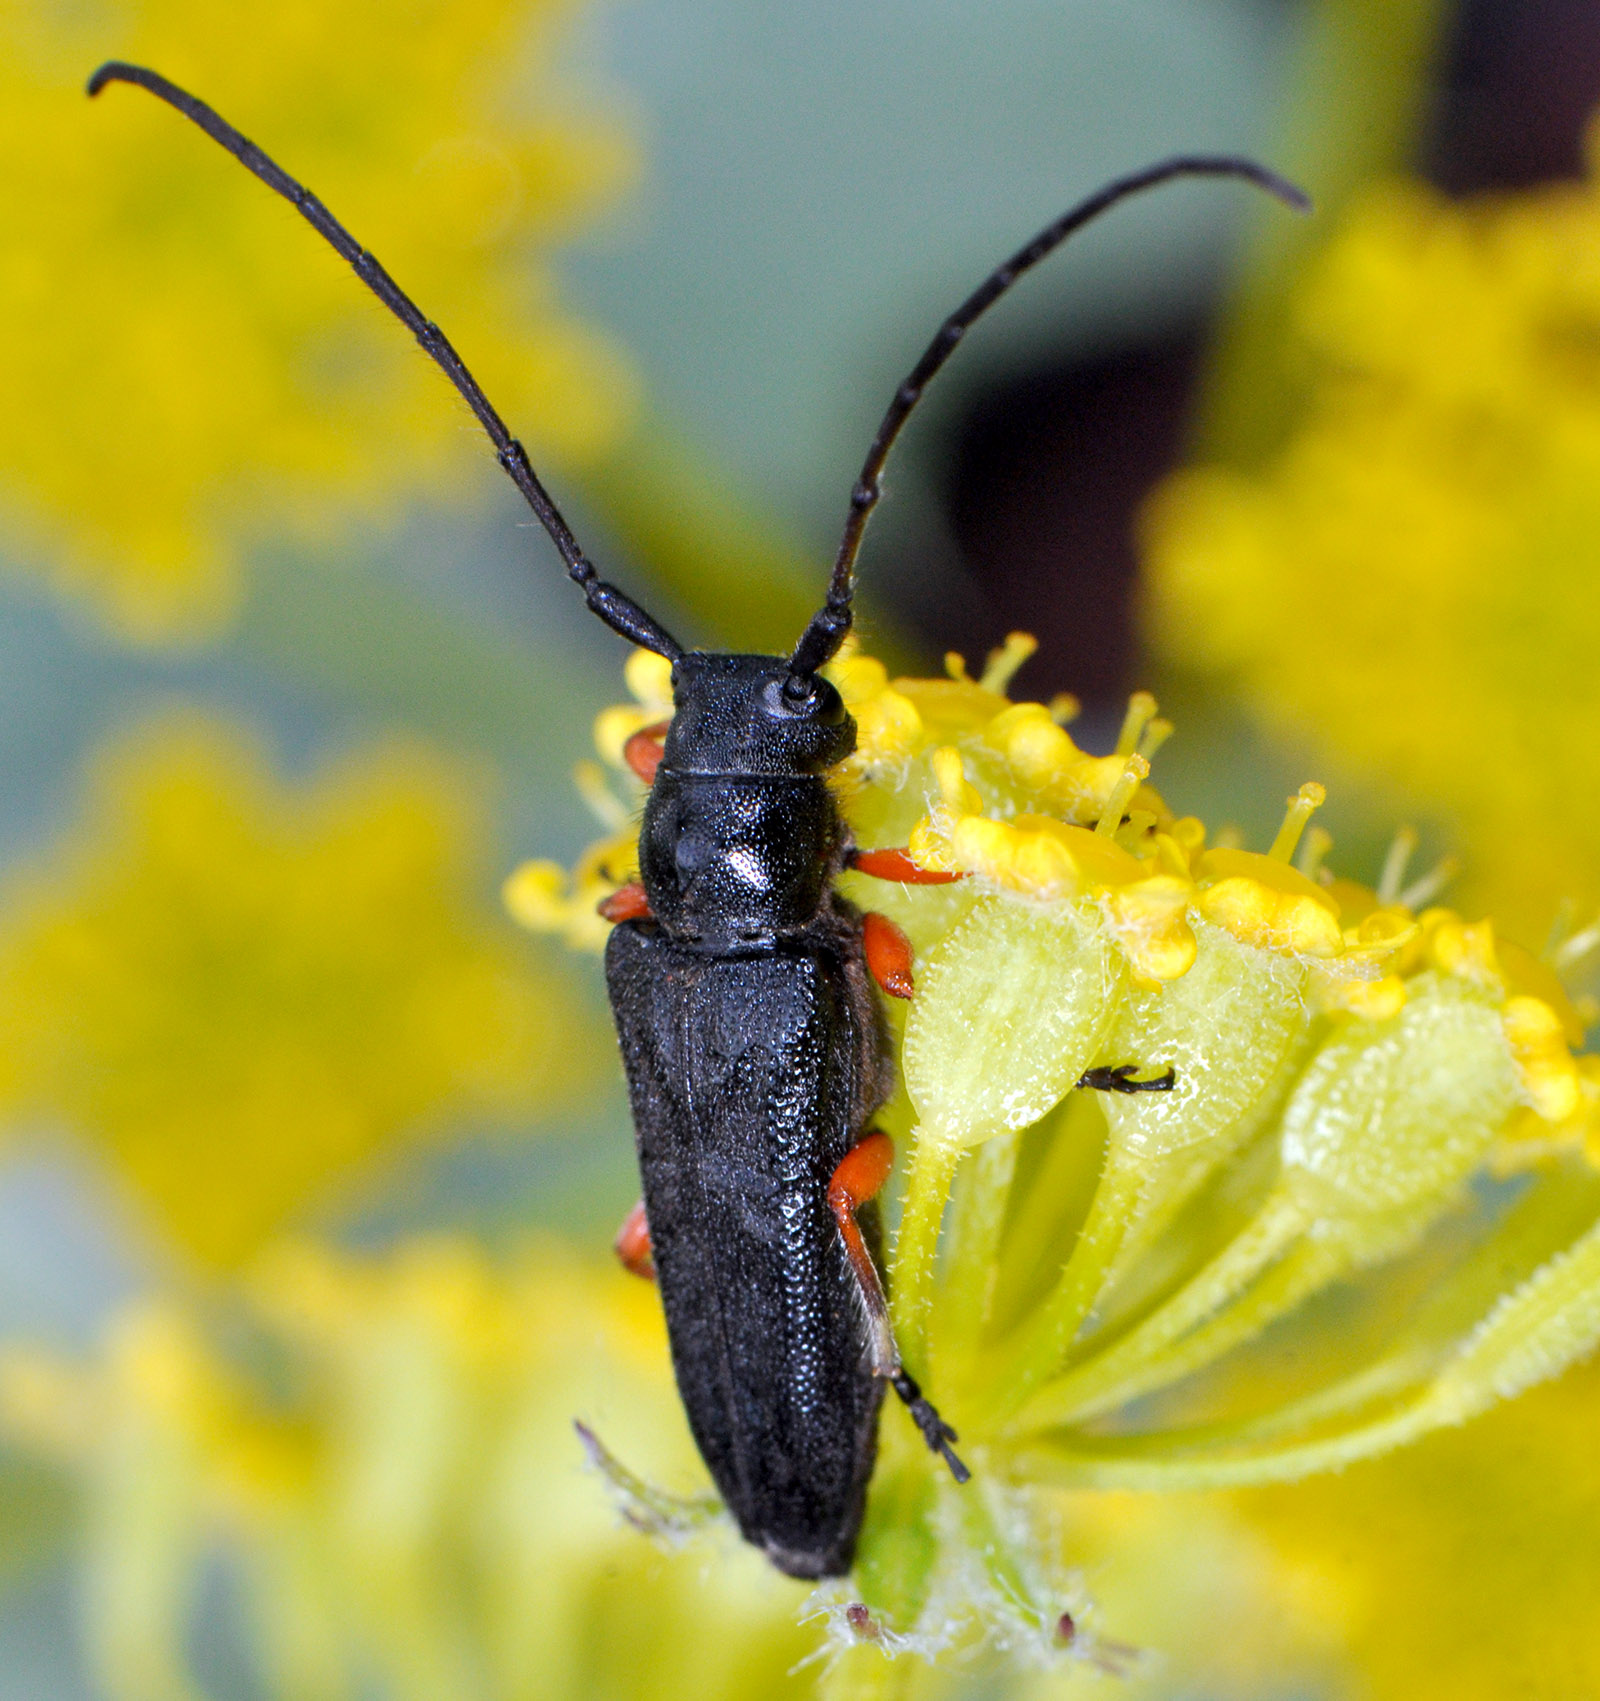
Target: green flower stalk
(1374, 1097)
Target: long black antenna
(619, 612)
(823, 636)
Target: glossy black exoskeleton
(741, 986)
(754, 1052)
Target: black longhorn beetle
(740, 983)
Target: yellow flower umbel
(240, 988)
(1411, 584)
(397, 1488)
(189, 359)
(1087, 1280)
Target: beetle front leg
(897, 865)
(627, 903)
(1119, 1080)
(643, 751)
(860, 1174)
(632, 1244)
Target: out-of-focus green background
(288, 682)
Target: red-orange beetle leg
(642, 752)
(897, 865)
(888, 953)
(863, 1170)
(633, 1244)
(627, 903)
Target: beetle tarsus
(924, 1414)
(1120, 1080)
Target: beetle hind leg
(863, 1170)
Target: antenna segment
(619, 612)
(823, 636)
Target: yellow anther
(857, 677)
(1401, 850)
(951, 778)
(1302, 806)
(1064, 708)
(955, 664)
(1464, 949)
(613, 728)
(1549, 1075)
(1000, 666)
(1149, 920)
(1266, 902)
(1038, 752)
(1381, 933)
(536, 895)
(1135, 771)
(649, 678)
(929, 847)
(1524, 973)
(1141, 711)
(1313, 849)
(1188, 832)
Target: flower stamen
(1302, 806)
(1135, 771)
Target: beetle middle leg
(888, 954)
(860, 1174)
(1120, 1080)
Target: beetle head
(743, 715)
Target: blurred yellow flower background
(1410, 586)
(242, 987)
(400, 1488)
(163, 416)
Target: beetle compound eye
(803, 697)
(797, 695)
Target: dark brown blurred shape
(1046, 470)
(1520, 79)
(1046, 474)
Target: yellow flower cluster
(1409, 585)
(403, 1497)
(189, 361)
(242, 988)
(1348, 1059)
